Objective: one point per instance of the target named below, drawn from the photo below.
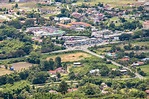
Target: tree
(125, 37)
(16, 5)
(71, 75)
(40, 77)
(34, 58)
(65, 66)
(15, 23)
(63, 87)
(47, 65)
(90, 89)
(58, 75)
(10, 80)
(104, 71)
(40, 21)
(29, 23)
(123, 20)
(58, 62)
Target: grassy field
(10, 5)
(111, 2)
(102, 50)
(145, 68)
(71, 57)
(4, 71)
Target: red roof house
(58, 70)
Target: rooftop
(146, 22)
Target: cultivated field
(70, 57)
(21, 65)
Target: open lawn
(145, 68)
(70, 57)
(102, 50)
(4, 71)
(21, 65)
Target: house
(126, 58)
(145, 59)
(146, 24)
(137, 63)
(58, 70)
(72, 89)
(62, 20)
(113, 55)
(123, 71)
(103, 86)
(53, 91)
(146, 6)
(77, 64)
(147, 92)
(76, 15)
(94, 71)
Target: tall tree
(58, 62)
(63, 87)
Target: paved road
(115, 63)
(85, 49)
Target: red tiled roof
(60, 69)
(52, 71)
(146, 22)
(147, 91)
(125, 59)
(140, 63)
(73, 89)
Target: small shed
(76, 64)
